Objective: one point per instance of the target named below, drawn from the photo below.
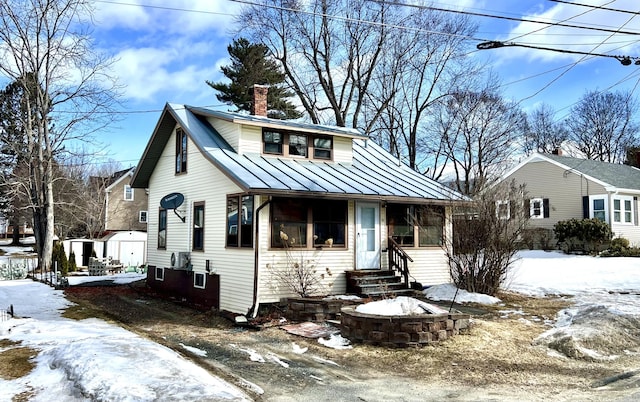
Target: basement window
(199, 280)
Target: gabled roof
(373, 174)
(117, 177)
(615, 176)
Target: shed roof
(373, 173)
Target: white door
(132, 253)
(367, 236)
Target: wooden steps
(375, 284)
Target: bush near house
(620, 247)
(59, 259)
(72, 262)
(583, 236)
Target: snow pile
(91, 359)
(335, 341)
(401, 305)
(447, 291)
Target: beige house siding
(564, 189)
(229, 131)
(342, 150)
(124, 214)
(202, 182)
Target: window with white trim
(623, 210)
(199, 280)
(142, 216)
(503, 209)
(128, 193)
(536, 208)
(598, 207)
(159, 274)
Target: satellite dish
(173, 201)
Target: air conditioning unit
(184, 261)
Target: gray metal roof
(613, 174)
(373, 174)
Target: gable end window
(240, 221)
(538, 208)
(181, 151)
(162, 228)
(128, 193)
(198, 226)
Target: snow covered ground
(91, 359)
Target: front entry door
(367, 236)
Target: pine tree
(251, 65)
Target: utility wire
(395, 3)
(597, 7)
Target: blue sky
(165, 54)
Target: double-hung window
(198, 226)
(599, 208)
(503, 209)
(296, 144)
(162, 228)
(128, 193)
(623, 210)
(405, 223)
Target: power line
(120, 3)
(595, 28)
(597, 7)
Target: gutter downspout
(253, 311)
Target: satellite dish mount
(173, 201)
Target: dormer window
(273, 142)
(181, 151)
(322, 147)
(296, 144)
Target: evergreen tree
(251, 65)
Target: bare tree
(476, 132)
(544, 132)
(47, 40)
(370, 65)
(602, 125)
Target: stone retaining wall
(400, 331)
(309, 309)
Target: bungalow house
(560, 188)
(237, 201)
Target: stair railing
(399, 260)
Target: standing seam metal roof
(374, 173)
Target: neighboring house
(254, 195)
(126, 207)
(560, 188)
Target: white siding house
(254, 195)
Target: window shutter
(545, 206)
(635, 211)
(512, 209)
(527, 207)
(585, 206)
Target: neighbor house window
(538, 208)
(181, 151)
(128, 193)
(198, 226)
(142, 216)
(162, 228)
(306, 223)
(199, 280)
(623, 210)
(598, 208)
(322, 147)
(240, 221)
(503, 209)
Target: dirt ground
(494, 361)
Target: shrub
(73, 267)
(538, 239)
(589, 236)
(59, 259)
(620, 247)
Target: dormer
(256, 134)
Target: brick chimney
(259, 104)
(557, 151)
